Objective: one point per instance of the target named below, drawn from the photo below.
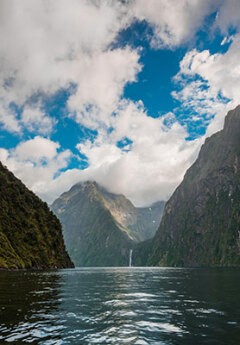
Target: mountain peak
(88, 211)
(201, 221)
(232, 117)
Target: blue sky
(123, 94)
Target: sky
(120, 92)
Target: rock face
(147, 220)
(30, 234)
(201, 221)
(100, 228)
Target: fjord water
(120, 306)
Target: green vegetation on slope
(201, 221)
(30, 234)
(92, 236)
(100, 227)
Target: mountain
(147, 221)
(100, 227)
(201, 221)
(30, 234)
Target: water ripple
(120, 306)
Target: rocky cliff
(30, 234)
(100, 227)
(201, 221)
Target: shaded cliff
(100, 227)
(30, 234)
(201, 221)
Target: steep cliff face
(30, 234)
(100, 227)
(201, 221)
(141, 222)
(147, 221)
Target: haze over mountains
(201, 221)
(100, 227)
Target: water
(120, 306)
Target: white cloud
(36, 162)
(8, 119)
(50, 45)
(174, 22)
(36, 149)
(101, 80)
(156, 163)
(228, 16)
(36, 120)
(220, 82)
(199, 102)
(222, 71)
(150, 171)
(46, 45)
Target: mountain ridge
(30, 234)
(88, 207)
(201, 221)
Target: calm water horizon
(162, 306)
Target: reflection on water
(120, 306)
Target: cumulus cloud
(36, 162)
(36, 120)
(228, 16)
(210, 83)
(47, 46)
(218, 89)
(152, 166)
(101, 80)
(50, 45)
(174, 22)
(8, 118)
(147, 171)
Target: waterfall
(130, 258)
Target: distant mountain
(201, 221)
(30, 234)
(147, 221)
(100, 227)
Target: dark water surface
(120, 306)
